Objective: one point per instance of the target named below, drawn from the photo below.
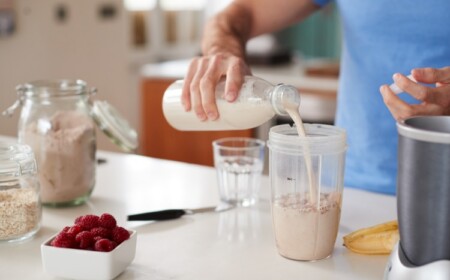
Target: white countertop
(236, 244)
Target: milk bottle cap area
(284, 93)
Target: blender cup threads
(306, 229)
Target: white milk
(293, 111)
(233, 116)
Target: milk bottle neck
(281, 95)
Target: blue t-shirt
(380, 38)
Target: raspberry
(88, 222)
(101, 231)
(119, 234)
(65, 229)
(74, 230)
(105, 245)
(64, 240)
(97, 238)
(77, 220)
(107, 221)
(92, 232)
(85, 239)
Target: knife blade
(170, 214)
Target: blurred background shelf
(112, 44)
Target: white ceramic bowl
(85, 264)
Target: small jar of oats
(20, 205)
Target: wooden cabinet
(158, 139)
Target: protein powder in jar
(20, 206)
(58, 120)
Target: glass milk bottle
(58, 120)
(258, 101)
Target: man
(381, 38)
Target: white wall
(84, 47)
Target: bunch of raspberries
(91, 232)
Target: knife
(171, 214)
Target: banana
(375, 240)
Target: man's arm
(223, 46)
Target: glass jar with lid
(58, 120)
(20, 205)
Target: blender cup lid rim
(435, 129)
(324, 139)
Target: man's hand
(202, 77)
(434, 100)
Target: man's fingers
(204, 74)
(399, 109)
(427, 109)
(186, 92)
(432, 75)
(207, 92)
(414, 89)
(235, 78)
(195, 89)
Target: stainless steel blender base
(396, 270)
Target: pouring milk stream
(293, 110)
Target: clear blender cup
(306, 176)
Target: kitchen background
(106, 43)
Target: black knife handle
(157, 215)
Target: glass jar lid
(106, 117)
(16, 160)
(47, 89)
(111, 122)
(52, 88)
